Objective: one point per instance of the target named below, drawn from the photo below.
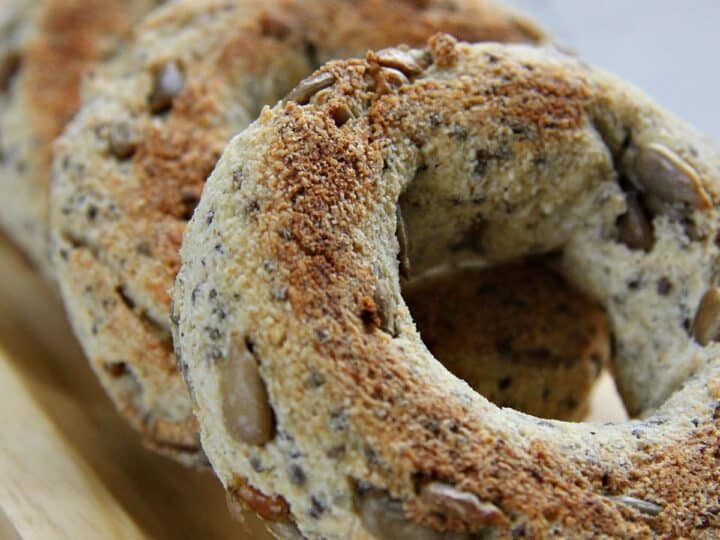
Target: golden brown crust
(536, 143)
(131, 166)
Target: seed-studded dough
(518, 334)
(317, 390)
(130, 168)
(45, 49)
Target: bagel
(516, 333)
(324, 399)
(45, 48)
(130, 168)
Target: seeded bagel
(131, 166)
(324, 398)
(517, 333)
(45, 49)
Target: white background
(669, 48)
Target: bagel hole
(520, 335)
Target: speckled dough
(347, 422)
(517, 334)
(131, 166)
(45, 48)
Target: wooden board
(70, 467)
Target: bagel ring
(130, 167)
(46, 46)
(358, 431)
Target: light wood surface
(70, 467)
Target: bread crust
(130, 168)
(509, 150)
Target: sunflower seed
(246, 408)
(168, 83)
(654, 205)
(123, 139)
(634, 228)
(395, 77)
(646, 507)
(706, 326)
(403, 243)
(398, 59)
(388, 79)
(660, 171)
(307, 88)
(385, 302)
(462, 505)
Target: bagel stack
(131, 166)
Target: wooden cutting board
(70, 467)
